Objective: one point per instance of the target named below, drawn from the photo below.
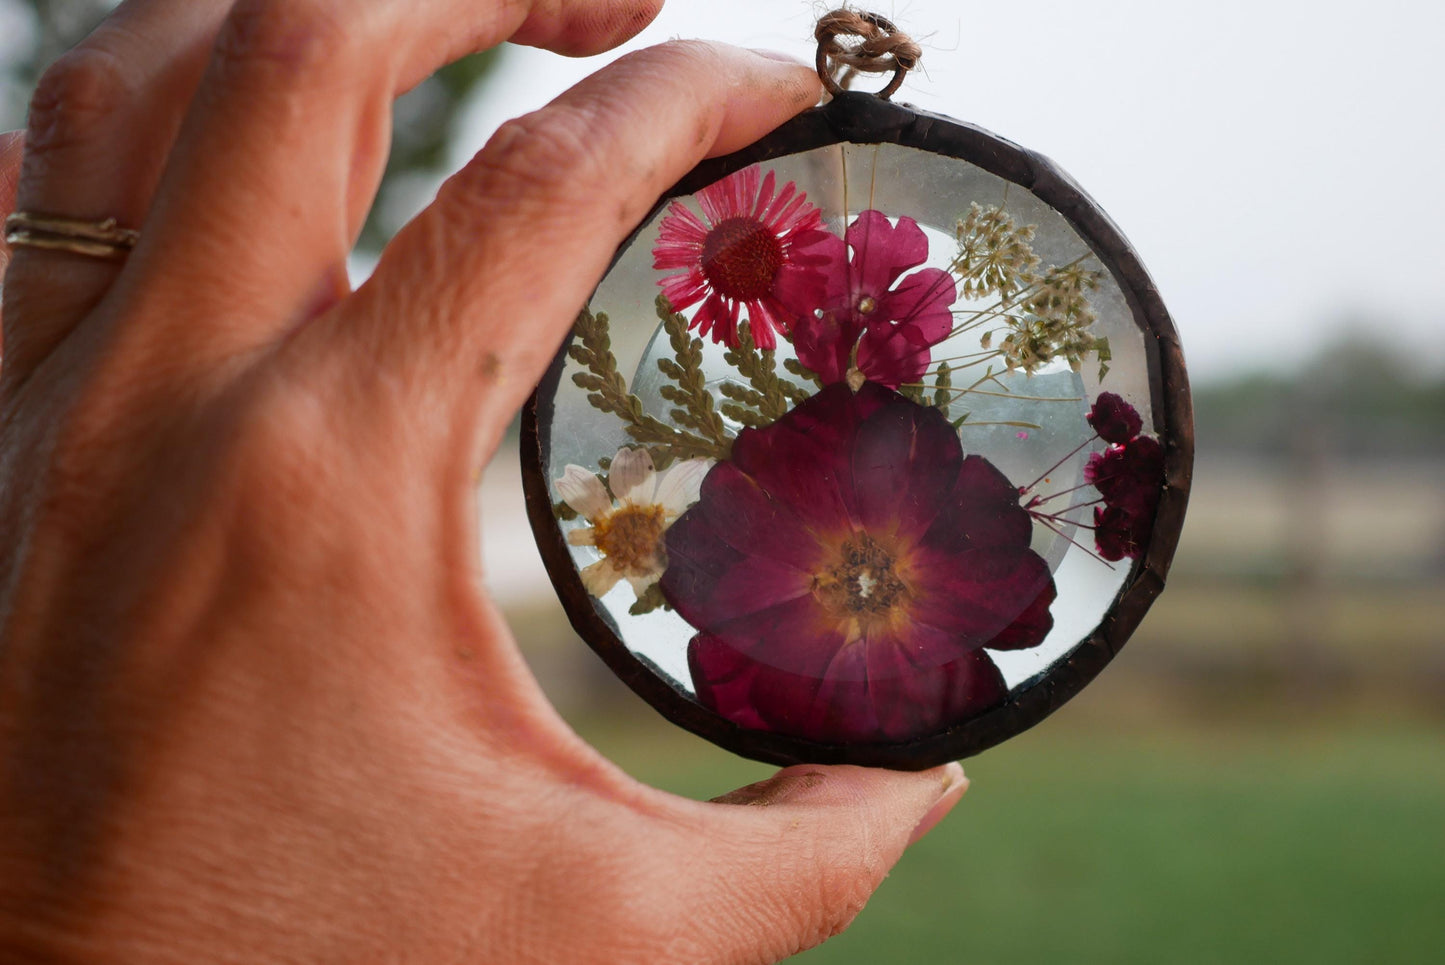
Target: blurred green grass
(1089, 839)
(1259, 778)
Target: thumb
(796, 857)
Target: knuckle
(542, 156)
(75, 96)
(295, 38)
(673, 55)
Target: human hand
(254, 705)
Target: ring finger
(102, 123)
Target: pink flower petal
(921, 306)
(982, 512)
(996, 598)
(882, 252)
(849, 705)
(906, 459)
(746, 518)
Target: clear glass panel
(853, 442)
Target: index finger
(286, 142)
(476, 293)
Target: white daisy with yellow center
(629, 532)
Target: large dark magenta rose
(846, 569)
(892, 329)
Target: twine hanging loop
(876, 47)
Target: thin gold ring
(94, 239)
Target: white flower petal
(582, 536)
(600, 577)
(584, 492)
(679, 486)
(632, 477)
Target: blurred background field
(1260, 776)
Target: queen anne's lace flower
(629, 533)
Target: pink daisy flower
(754, 248)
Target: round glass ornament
(872, 447)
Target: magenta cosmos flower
(752, 248)
(846, 569)
(893, 329)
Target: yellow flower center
(862, 581)
(631, 537)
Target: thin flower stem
(969, 365)
(1061, 518)
(1081, 546)
(1072, 453)
(1040, 500)
(1001, 395)
(1092, 502)
(987, 377)
(998, 307)
(978, 319)
(986, 353)
(873, 176)
(1016, 425)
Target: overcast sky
(1279, 166)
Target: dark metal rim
(864, 119)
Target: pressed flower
(1129, 476)
(995, 254)
(1114, 419)
(629, 532)
(1119, 533)
(887, 332)
(754, 247)
(846, 569)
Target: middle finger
(102, 122)
(286, 144)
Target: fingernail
(954, 784)
(779, 56)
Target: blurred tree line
(1359, 397)
(35, 32)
